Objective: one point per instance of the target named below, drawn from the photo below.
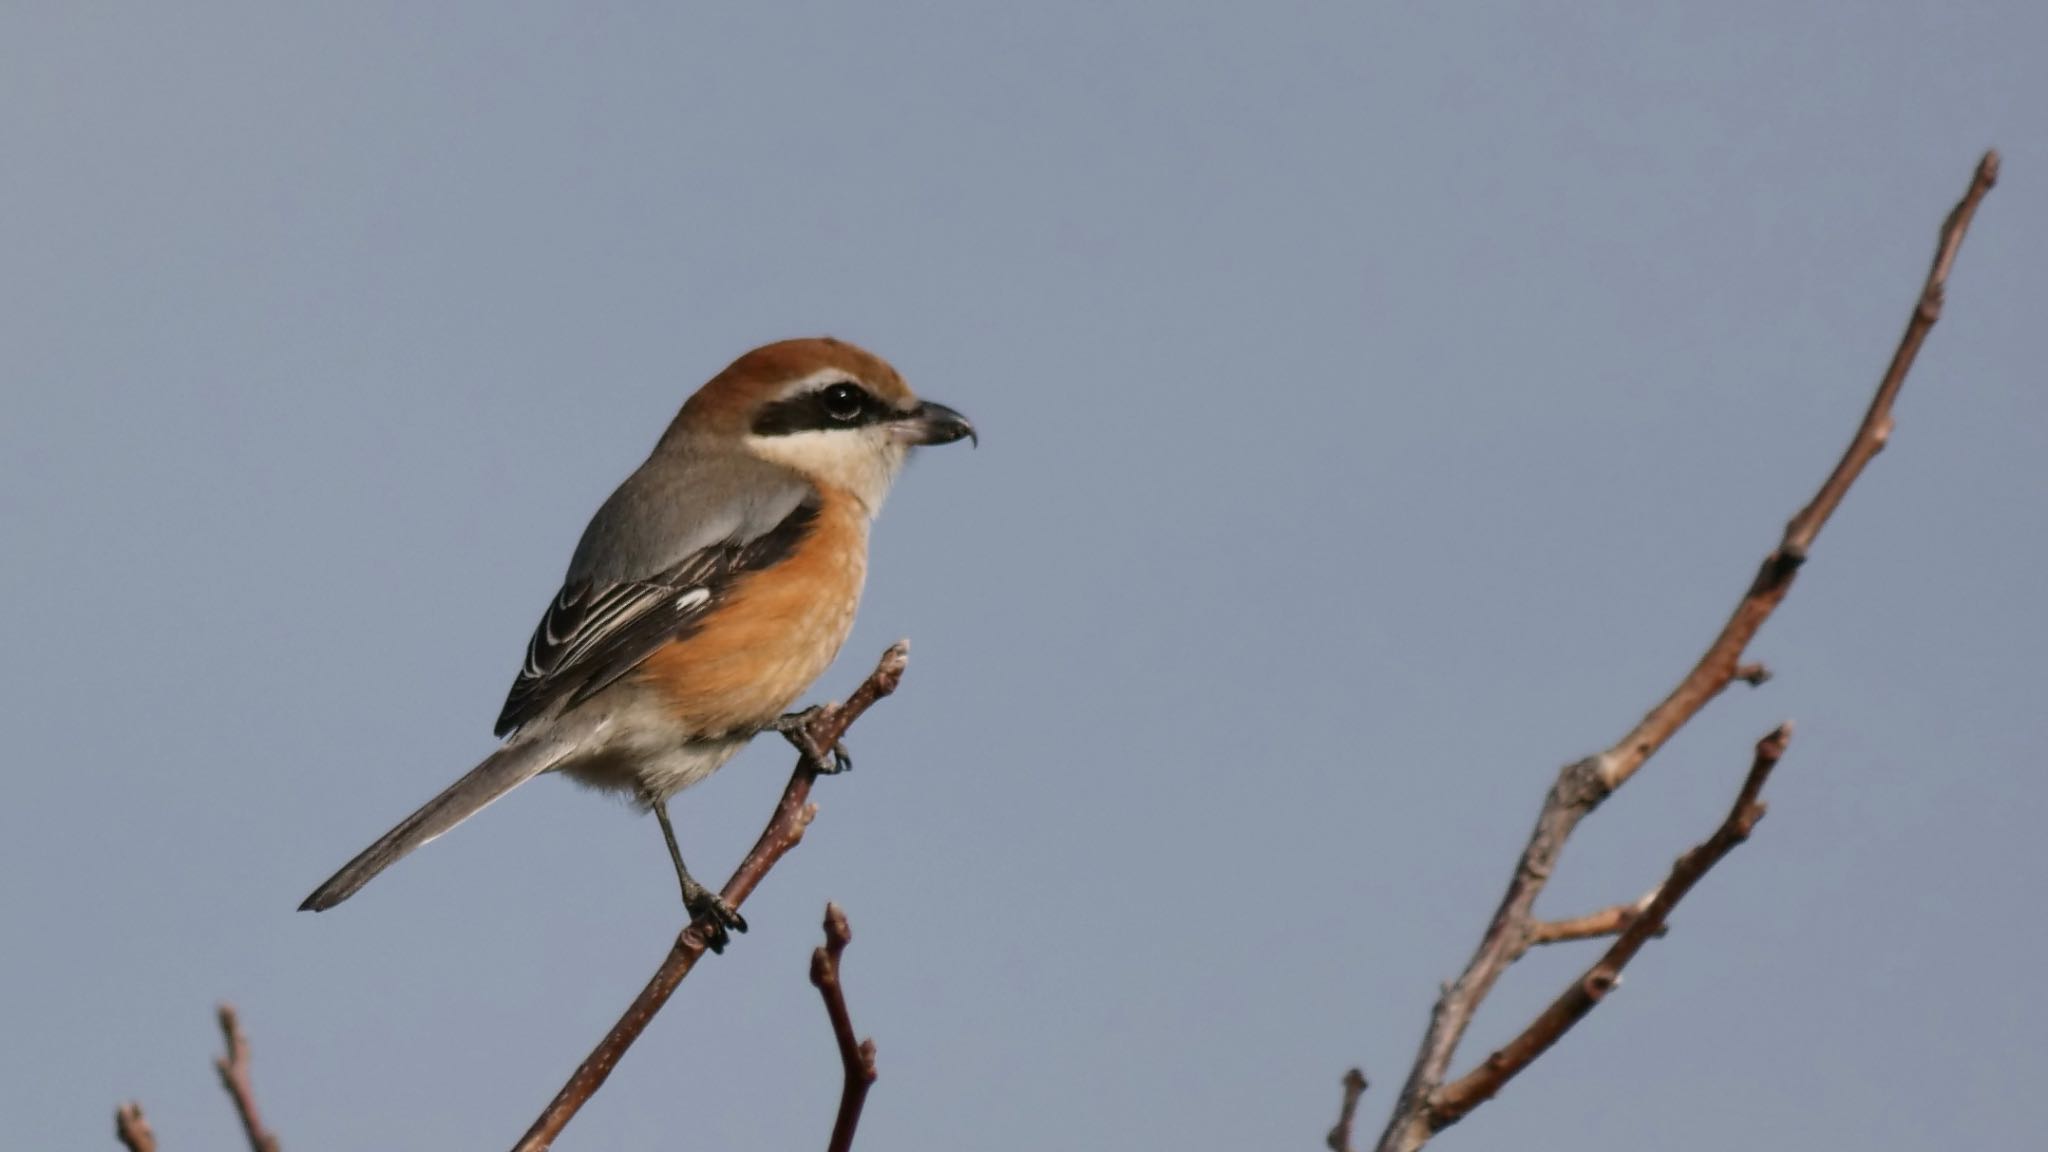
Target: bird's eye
(844, 401)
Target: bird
(705, 596)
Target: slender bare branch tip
(1749, 806)
(237, 1053)
(1755, 674)
(1355, 1084)
(896, 657)
(235, 1079)
(1769, 750)
(838, 932)
(132, 1128)
(857, 1059)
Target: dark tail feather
(502, 771)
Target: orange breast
(760, 650)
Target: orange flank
(757, 652)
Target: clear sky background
(1380, 405)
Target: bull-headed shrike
(706, 595)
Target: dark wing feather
(593, 633)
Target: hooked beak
(933, 423)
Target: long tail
(502, 771)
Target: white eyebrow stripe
(819, 379)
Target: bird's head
(838, 415)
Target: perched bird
(706, 595)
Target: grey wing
(596, 631)
(684, 500)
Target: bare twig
(1339, 1139)
(1592, 926)
(1582, 786)
(785, 830)
(233, 1066)
(857, 1057)
(133, 1129)
(1774, 578)
(1479, 1085)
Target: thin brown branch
(1774, 578)
(132, 1129)
(1571, 1006)
(1582, 786)
(233, 1066)
(1592, 926)
(856, 1057)
(793, 813)
(1339, 1139)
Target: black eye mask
(841, 405)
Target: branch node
(1929, 310)
(1781, 566)
(1755, 674)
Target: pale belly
(642, 750)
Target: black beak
(937, 424)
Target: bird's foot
(841, 761)
(796, 728)
(708, 906)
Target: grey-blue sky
(1380, 406)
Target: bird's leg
(796, 728)
(697, 899)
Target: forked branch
(856, 1057)
(1571, 1006)
(793, 813)
(1425, 1107)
